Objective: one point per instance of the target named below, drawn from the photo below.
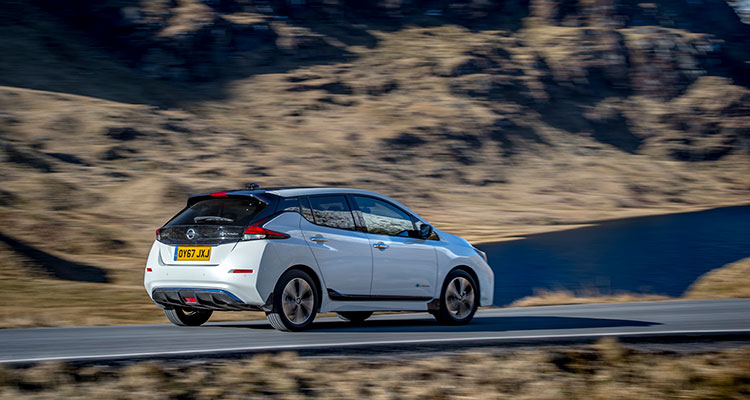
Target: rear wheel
(295, 302)
(187, 317)
(355, 317)
(459, 299)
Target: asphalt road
(492, 326)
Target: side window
(332, 211)
(288, 204)
(305, 209)
(383, 218)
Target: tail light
(158, 234)
(256, 231)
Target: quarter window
(332, 211)
(383, 218)
(288, 204)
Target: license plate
(192, 253)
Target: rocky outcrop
(187, 42)
(709, 122)
(198, 40)
(664, 63)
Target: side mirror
(425, 230)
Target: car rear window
(221, 211)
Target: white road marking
(367, 343)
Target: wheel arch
(314, 275)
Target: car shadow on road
(484, 324)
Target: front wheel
(459, 299)
(295, 302)
(187, 317)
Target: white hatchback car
(294, 252)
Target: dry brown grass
(606, 370)
(729, 281)
(559, 297)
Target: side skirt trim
(334, 295)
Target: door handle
(381, 246)
(319, 239)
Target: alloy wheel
(298, 301)
(459, 297)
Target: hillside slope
(490, 119)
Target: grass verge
(729, 281)
(559, 297)
(606, 370)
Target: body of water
(658, 254)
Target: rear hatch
(204, 233)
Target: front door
(403, 266)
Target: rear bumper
(214, 287)
(200, 298)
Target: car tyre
(187, 317)
(295, 302)
(459, 299)
(355, 317)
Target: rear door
(403, 266)
(343, 254)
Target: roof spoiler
(238, 193)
